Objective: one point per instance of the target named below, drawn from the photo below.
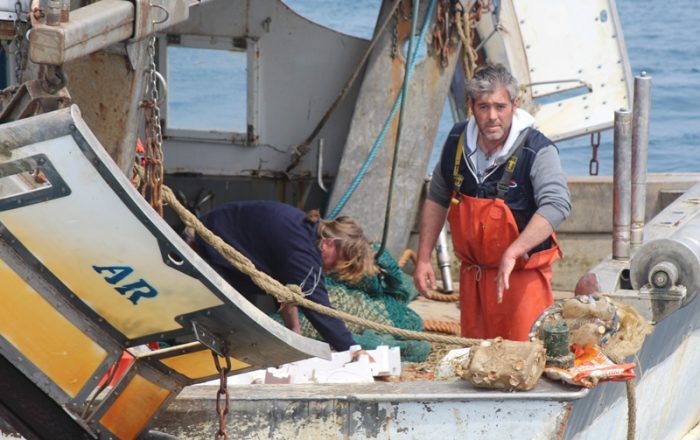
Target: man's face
(494, 115)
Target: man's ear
(515, 103)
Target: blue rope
(380, 139)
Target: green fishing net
(382, 299)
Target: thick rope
(466, 35)
(406, 256)
(446, 327)
(631, 410)
(442, 297)
(292, 294)
(631, 399)
(410, 255)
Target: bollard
(640, 150)
(622, 166)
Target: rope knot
(478, 270)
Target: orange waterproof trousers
(482, 229)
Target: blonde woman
(293, 248)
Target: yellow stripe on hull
(47, 339)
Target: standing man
(502, 183)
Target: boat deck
(400, 410)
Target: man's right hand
(424, 277)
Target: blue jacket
(279, 242)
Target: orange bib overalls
(482, 229)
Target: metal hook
(319, 167)
(164, 87)
(167, 14)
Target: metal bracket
(673, 293)
(209, 339)
(31, 99)
(152, 16)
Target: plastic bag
(590, 367)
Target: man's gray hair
(489, 77)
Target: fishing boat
(93, 269)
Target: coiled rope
(446, 327)
(410, 255)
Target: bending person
(293, 248)
(502, 182)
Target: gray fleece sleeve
(549, 186)
(438, 190)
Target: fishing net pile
(383, 299)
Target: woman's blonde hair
(355, 256)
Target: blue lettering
(118, 272)
(147, 292)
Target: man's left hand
(503, 276)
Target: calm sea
(662, 40)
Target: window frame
(249, 46)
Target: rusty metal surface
(108, 92)
(429, 86)
(90, 28)
(31, 99)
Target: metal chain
(395, 35)
(593, 164)
(449, 12)
(465, 22)
(19, 42)
(405, 10)
(439, 33)
(222, 411)
(402, 13)
(153, 166)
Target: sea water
(662, 40)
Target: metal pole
(640, 149)
(53, 12)
(622, 165)
(443, 258)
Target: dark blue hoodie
(279, 242)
